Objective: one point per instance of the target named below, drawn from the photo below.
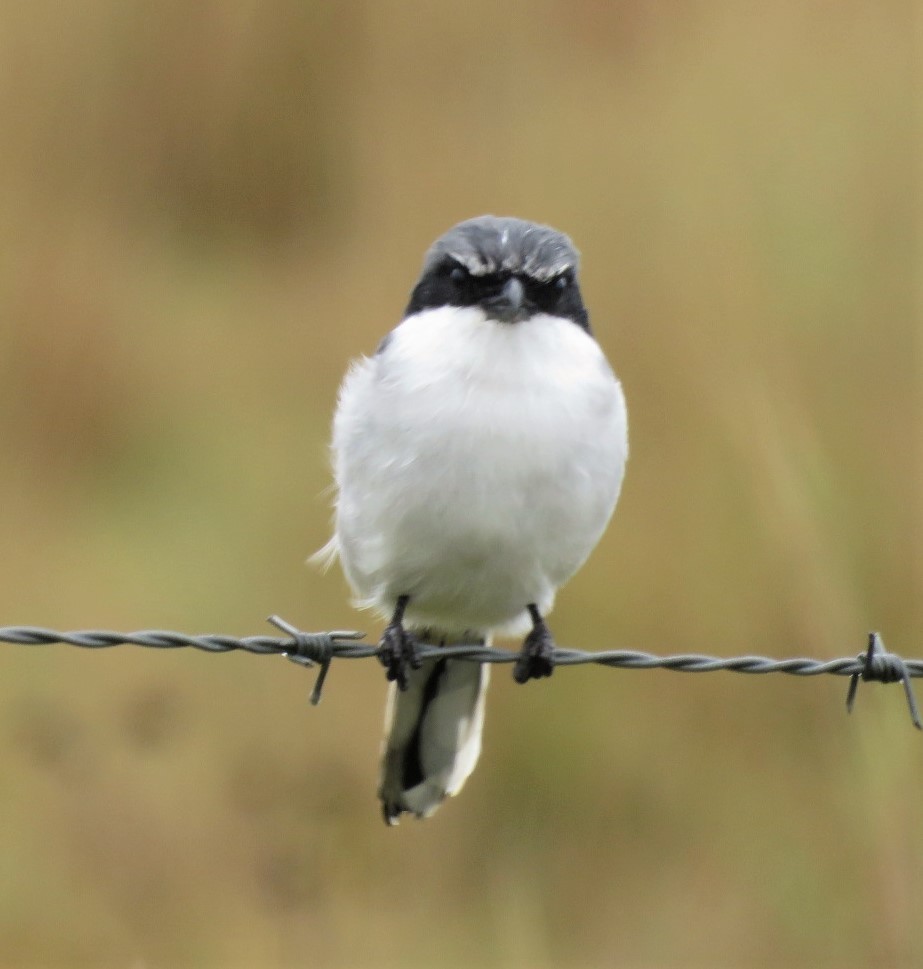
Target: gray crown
(490, 244)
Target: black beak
(509, 305)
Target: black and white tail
(432, 736)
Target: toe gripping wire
(882, 667)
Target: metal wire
(309, 649)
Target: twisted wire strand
(345, 646)
(310, 649)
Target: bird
(477, 457)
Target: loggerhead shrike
(478, 456)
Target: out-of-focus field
(205, 211)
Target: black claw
(536, 658)
(397, 649)
(397, 652)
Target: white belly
(477, 465)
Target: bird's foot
(536, 658)
(397, 649)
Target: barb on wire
(320, 649)
(884, 667)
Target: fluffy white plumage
(477, 465)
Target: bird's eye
(562, 282)
(458, 274)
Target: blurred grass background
(206, 210)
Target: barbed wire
(876, 664)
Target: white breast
(477, 465)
